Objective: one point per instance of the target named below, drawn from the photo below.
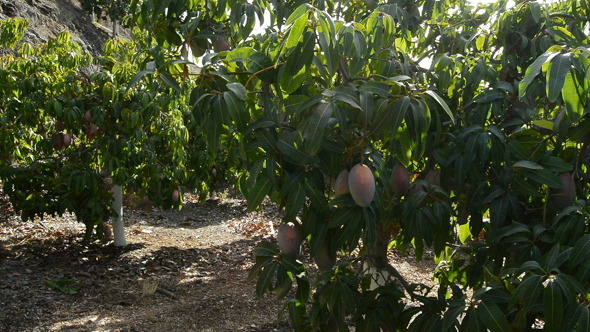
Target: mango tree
(480, 156)
(74, 126)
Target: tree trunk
(376, 266)
(118, 226)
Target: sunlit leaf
(533, 70)
(442, 103)
(559, 68)
(571, 97)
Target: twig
(394, 272)
(165, 292)
(262, 71)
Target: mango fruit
(289, 238)
(361, 184)
(341, 183)
(564, 196)
(400, 180)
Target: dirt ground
(181, 271)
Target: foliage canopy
(495, 133)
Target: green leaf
(238, 89)
(302, 55)
(556, 164)
(442, 103)
(527, 164)
(493, 317)
(543, 176)
(472, 322)
(313, 131)
(264, 282)
(559, 68)
(367, 102)
(570, 287)
(257, 194)
(171, 81)
(63, 285)
(236, 109)
(399, 109)
(528, 290)
(346, 98)
(577, 315)
(290, 83)
(580, 251)
(302, 10)
(533, 70)
(139, 76)
(296, 31)
(295, 201)
(296, 155)
(545, 124)
(552, 307)
(376, 88)
(524, 187)
(571, 97)
(265, 249)
(258, 61)
(319, 234)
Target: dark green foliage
(486, 131)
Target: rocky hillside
(47, 18)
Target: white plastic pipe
(118, 226)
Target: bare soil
(181, 271)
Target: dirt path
(181, 271)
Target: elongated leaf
(492, 317)
(560, 67)
(553, 307)
(315, 127)
(524, 187)
(527, 164)
(570, 287)
(442, 103)
(367, 105)
(295, 154)
(257, 194)
(528, 291)
(265, 140)
(577, 315)
(451, 316)
(546, 124)
(302, 10)
(140, 75)
(580, 251)
(318, 233)
(236, 109)
(543, 176)
(376, 88)
(347, 99)
(238, 89)
(296, 31)
(264, 282)
(472, 322)
(265, 249)
(302, 55)
(573, 105)
(533, 70)
(290, 83)
(171, 81)
(295, 201)
(399, 110)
